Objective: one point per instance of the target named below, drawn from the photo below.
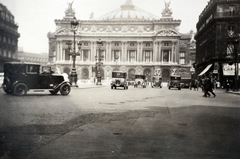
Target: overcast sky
(36, 17)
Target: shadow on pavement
(186, 132)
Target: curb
(237, 93)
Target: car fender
(16, 82)
(60, 84)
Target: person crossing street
(208, 87)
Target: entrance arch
(131, 74)
(85, 74)
(147, 73)
(165, 75)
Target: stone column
(154, 51)
(160, 52)
(123, 52)
(56, 51)
(61, 51)
(169, 56)
(110, 52)
(172, 54)
(92, 51)
(141, 51)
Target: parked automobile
(21, 77)
(131, 82)
(174, 82)
(119, 80)
(140, 80)
(157, 81)
(184, 85)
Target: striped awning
(205, 70)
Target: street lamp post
(236, 43)
(73, 75)
(98, 63)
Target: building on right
(217, 42)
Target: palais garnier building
(133, 40)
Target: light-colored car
(157, 81)
(140, 81)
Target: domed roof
(128, 12)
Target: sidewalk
(224, 91)
(234, 92)
(87, 86)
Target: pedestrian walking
(227, 85)
(208, 87)
(196, 85)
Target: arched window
(85, 74)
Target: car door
(32, 73)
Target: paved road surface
(135, 123)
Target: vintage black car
(156, 81)
(174, 82)
(140, 80)
(21, 77)
(119, 80)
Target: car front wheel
(65, 89)
(20, 89)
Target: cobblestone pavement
(159, 124)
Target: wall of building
(8, 37)
(218, 26)
(33, 58)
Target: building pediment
(64, 31)
(167, 32)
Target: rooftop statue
(91, 15)
(167, 11)
(128, 2)
(167, 4)
(70, 10)
(70, 5)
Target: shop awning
(205, 70)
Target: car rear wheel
(20, 89)
(65, 89)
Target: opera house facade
(133, 40)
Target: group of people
(207, 87)
(206, 84)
